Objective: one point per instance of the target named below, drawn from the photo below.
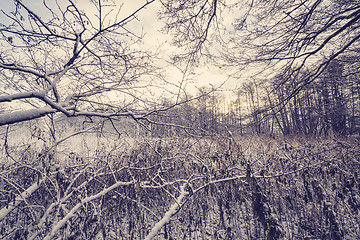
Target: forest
(108, 131)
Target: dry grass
(239, 188)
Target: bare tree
(75, 60)
(87, 63)
(66, 59)
(193, 24)
(294, 37)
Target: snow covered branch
(20, 116)
(72, 212)
(168, 214)
(19, 199)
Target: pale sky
(150, 25)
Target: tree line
(328, 105)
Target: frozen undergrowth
(248, 188)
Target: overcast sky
(150, 25)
